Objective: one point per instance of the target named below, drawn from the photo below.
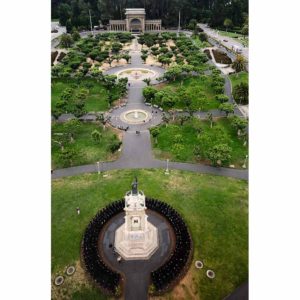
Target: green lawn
(201, 44)
(97, 98)
(214, 207)
(167, 146)
(87, 151)
(200, 85)
(238, 78)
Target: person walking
(78, 210)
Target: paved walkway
(220, 38)
(136, 148)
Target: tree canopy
(214, 12)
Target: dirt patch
(221, 57)
(151, 60)
(170, 43)
(185, 290)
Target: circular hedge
(163, 278)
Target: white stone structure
(135, 22)
(137, 238)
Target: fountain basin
(135, 116)
(136, 74)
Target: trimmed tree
(96, 136)
(219, 154)
(227, 108)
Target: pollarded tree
(210, 118)
(173, 73)
(110, 59)
(75, 35)
(71, 128)
(96, 136)
(240, 124)
(239, 64)
(203, 37)
(149, 93)
(116, 47)
(227, 23)
(166, 119)
(66, 40)
(241, 93)
(109, 81)
(227, 108)
(127, 57)
(155, 132)
(67, 156)
(147, 81)
(245, 30)
(144, 57)
(183, 119)
(219, 154)
(222, 98)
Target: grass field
(201, 44)
(214, 207)
(165, 142)
(97, 99)
(238, 78)
(195, 85)
(87, 151)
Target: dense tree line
(75, 13)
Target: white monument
(137, 238)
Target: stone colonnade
(153, 25)
(117, 25)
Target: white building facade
(135, 22)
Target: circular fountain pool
(136, 74)
(136, 116)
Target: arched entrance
(135, 25)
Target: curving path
(136, 148)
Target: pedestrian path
(136, 148)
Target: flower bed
(207, 52)
(221, 57)
(53, 56)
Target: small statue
(134, 187)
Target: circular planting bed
(136, 74)
(70, 270)
(59, 280)
(199, 264)
(172, 266)
(136, 116)
(210, 274)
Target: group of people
(105, 277)
(174, 267)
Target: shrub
(203, 37)
(241, 93)
(114, 144)
(149, 93)
(222, 98)
(96, 136)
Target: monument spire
(134, 187)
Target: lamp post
(167, 169)
(245, 162)
(98, 166)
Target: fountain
(136, 74)
(135, 116)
